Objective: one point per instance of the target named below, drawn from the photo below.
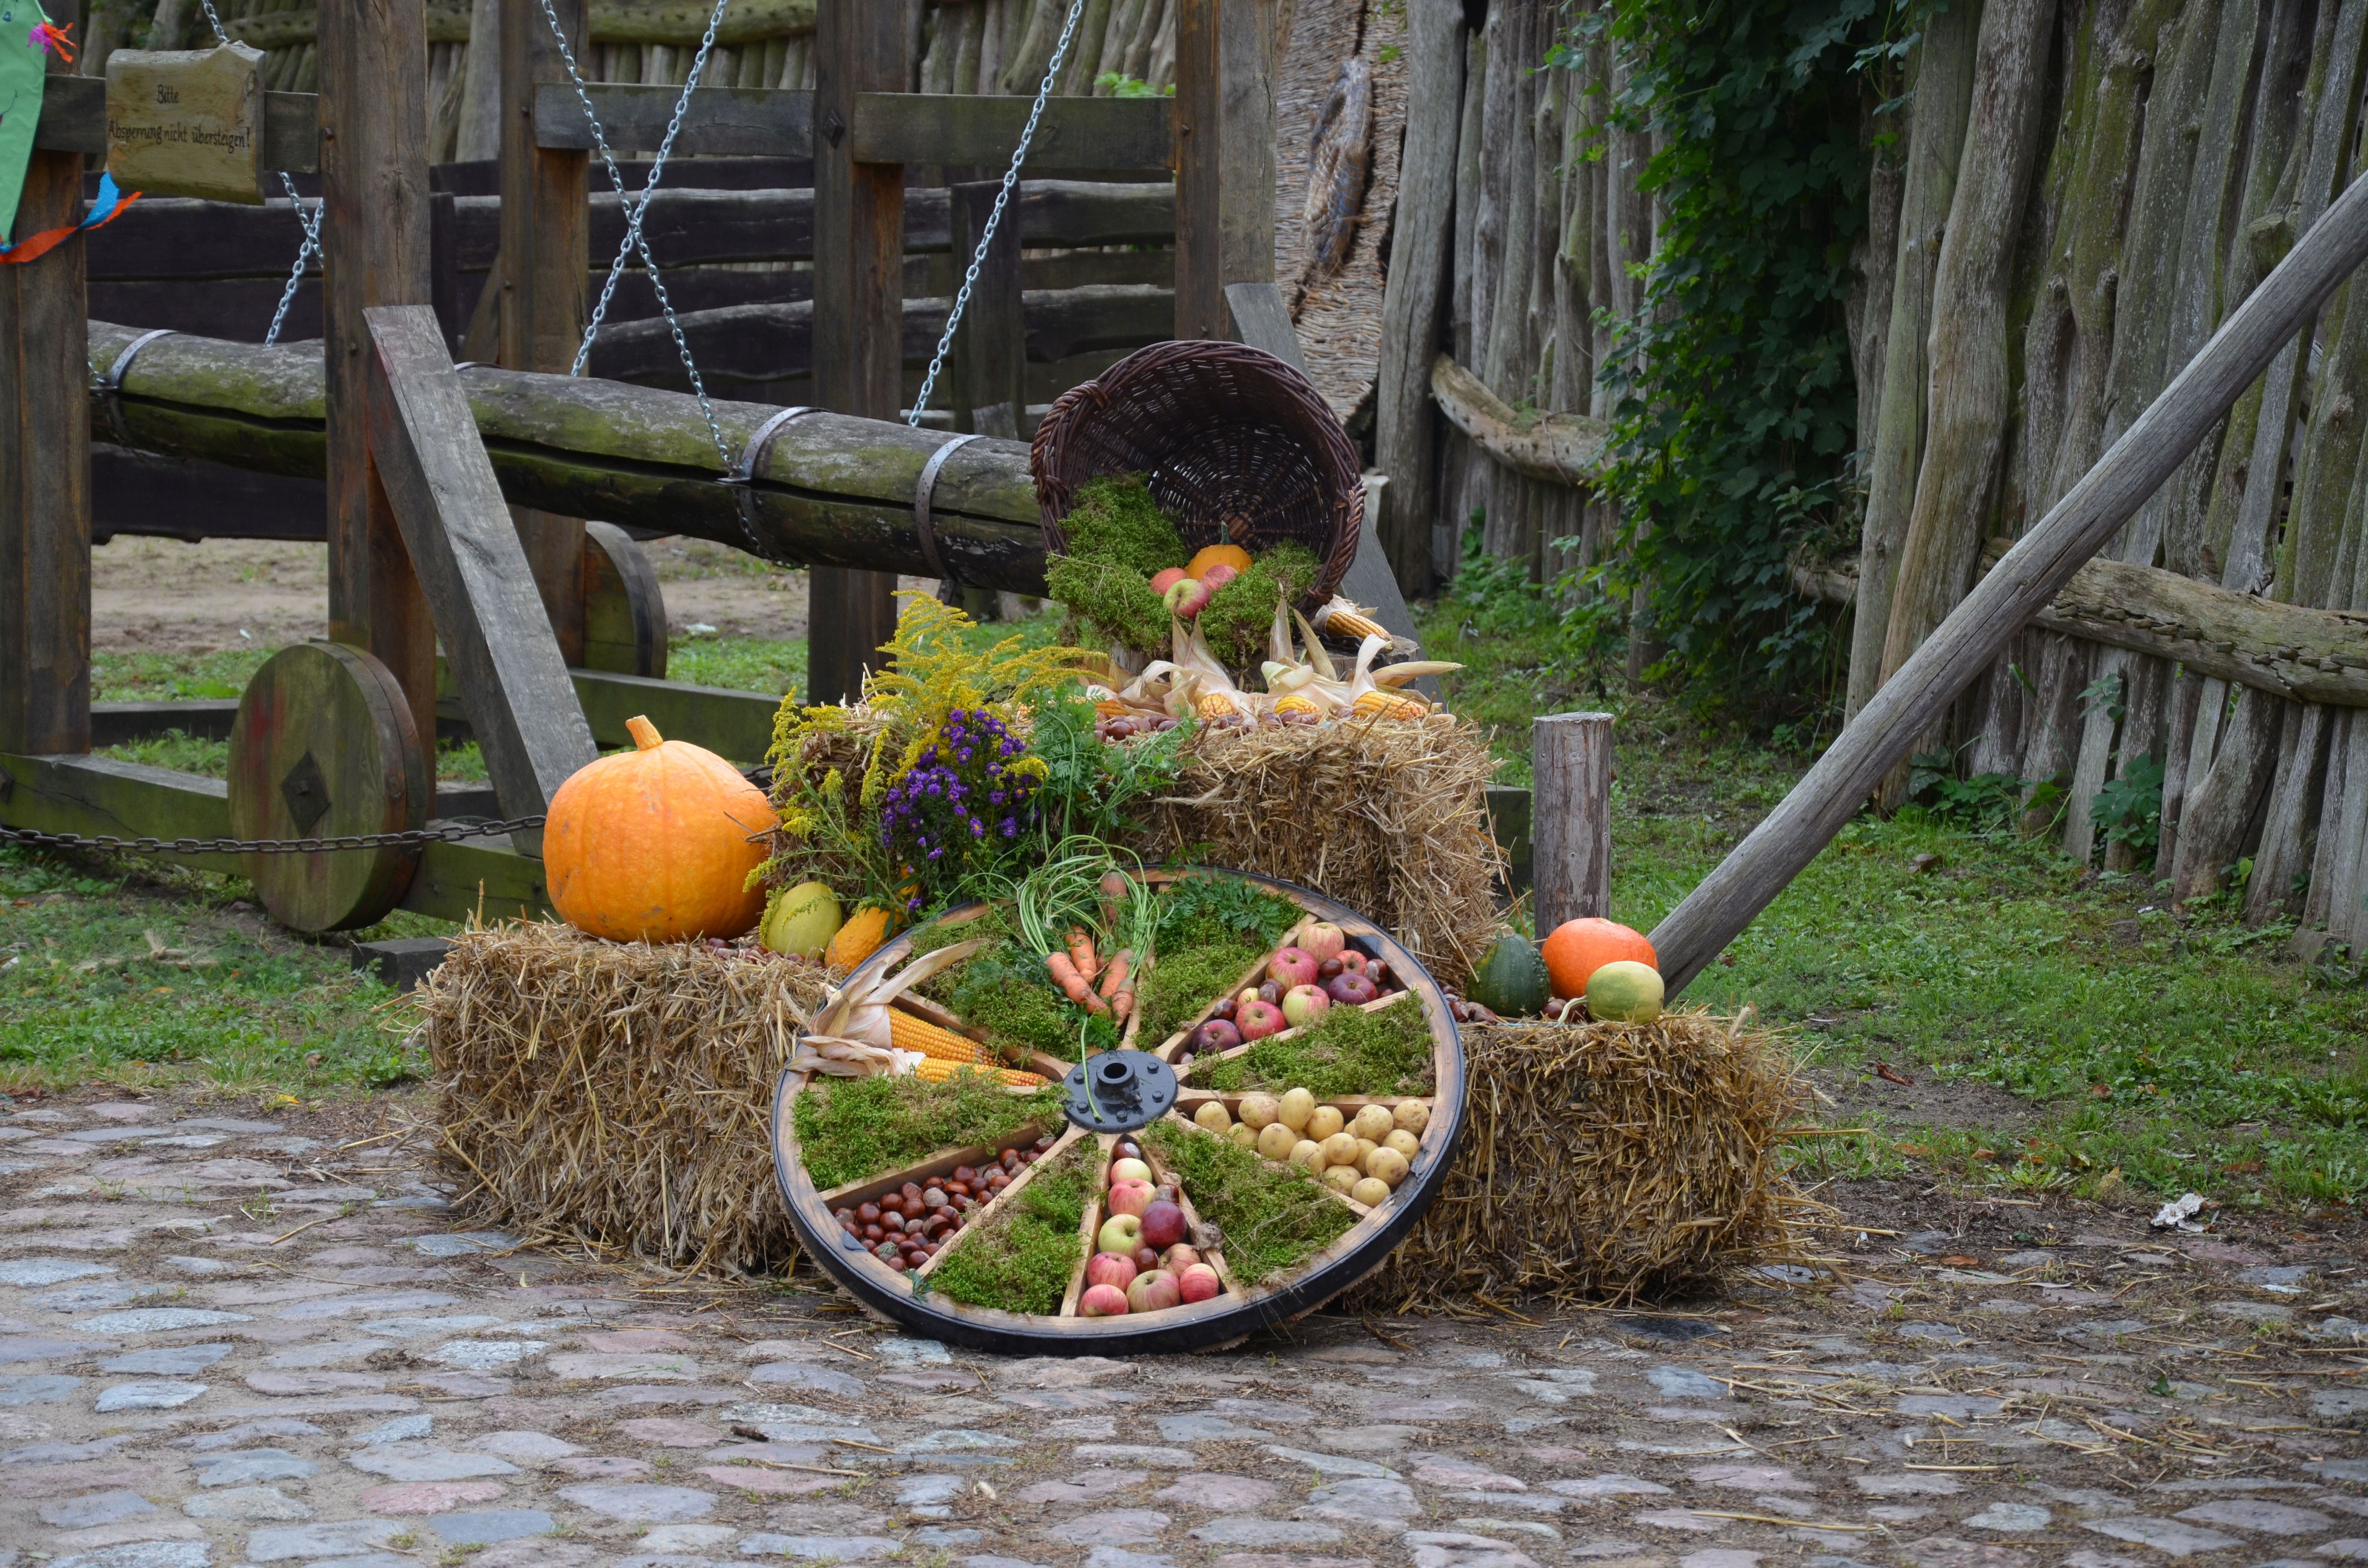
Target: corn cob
(1215, 705)
(1340, 619)
(907, 1032)
(1111, 708)
(1297, 702)
(933, 1071)
(1390, 705)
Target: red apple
(1163, 1226)
(1217, 577)
(1111, 1268)
(1102, 1302)
(1320, 939)
(1217, 1034)
(1352, 990)
(1303, 1004)
(1185, 597)
(1120, 1233)
(1198, 1282)
(1259, 1019)
(1163, 580)
(1352, 960)
(1130, 1198)
(1291, 966)
(1151, 1292)
(1178, 1258)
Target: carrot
(1114, 978)
(1072, 985)
(1123, 1003)
(1081, 953)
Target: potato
(1307, 1153)
(1372, 1123)
(1369, 1191)
(1258, 1112)
(1293, 1109)
(1411, 1116)
(1404, 1142)
(1387, 1165)
(1341, 1149)
(1275, 1141)
(1213, 1116)
(1365, 1147)
(1240, 1133)
(1324, 1121)
(1340, 1178)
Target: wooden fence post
(546, 240)
(1570, 820)
(1225, 176)
(45, 469)
(988, 375)
(374, 251)
(859, 349)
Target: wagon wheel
(324, 747)
(905, 1292)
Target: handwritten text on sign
(187, 122)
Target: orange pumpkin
(656, 844)
(1578, 947)
(1232, 555)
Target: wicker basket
(1238, 447)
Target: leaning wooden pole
(2004, 602)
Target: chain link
(451, 833)
(995, 219)
(310, 225)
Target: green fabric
(23, 64)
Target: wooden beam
(1570, 758)
(734, 725)
(74, 119)
(1561, 449)
(504, 659)
(984, 129)
(986, 383)
(1225, 170)
(1969, 640)
(45, 466)
(860, 46)
(678, 23)
(374, 237)
(749, 122)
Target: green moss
(1183, 982)
(1349, 1051)
(849, 1128)
(1021, 1258)
(1117, 601)
(1008, 992)
(1273, 1216)
(1242, 612)
(1207, 907)
(1116, 520)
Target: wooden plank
(759, 122)
(675, 23)
(476, 880)
(987, 381)
(858, 308)
(373, 66)
(188, 498)
(735, 726)
(45, 466)
(1089, 1223)
(624, 610)
(1225, 169)
(74, 119)
(1570, 758)
(504, 661)
(1508, 825)
(96, 795)
(204, 719)
(984, 129)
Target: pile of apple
(1315, 967)
(1365, 1156)
(906, 1227)
(1145, 1262)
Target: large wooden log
(679, 23)
(2031, 574)
(1562, 449)
(833, 491)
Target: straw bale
(1607, 1160)
(618, 1095)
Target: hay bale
(1607, 1160)
(618, 1095)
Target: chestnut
(1270, 990)
(887, 1252)
(869, 1213)
(1329, 968)
(1379, 973)
(934, 1197)
(1225, 1008)
(965, 1175)
(910, 1189)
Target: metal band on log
(832, 490)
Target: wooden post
(374, 247)
(988, 376)
(45, 469)
(1570, 822)
(1225, 178)
(858, 351)
(546, 240)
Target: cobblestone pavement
(236, 1339)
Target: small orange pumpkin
(861, 937)
(1232, 555)
(1578, 947)
(656, 844)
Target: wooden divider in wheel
(971, 1203)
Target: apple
(1248, 993)
(1217, 1034)
(1163, 1226)
(1151, 1292)
(1259, 1019)
(1352, 960)
(1303, 1004)
(1291, 966)
(1131, 1168)
(1130, 1199)
(1146, 1260)
(1102, 1302)
(1352, 989)
(1320, 939)
(1217, 577)
(1162, 581)
(1111, 1268)
(1120, 1233)
(1179, 1257)
(1198, 1283)
(1185, 598)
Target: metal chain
(995, 219)
(452, 832)
(310, 225)
(635, 213)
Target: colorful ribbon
(110, 204)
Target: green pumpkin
(1511, 981)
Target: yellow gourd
(861, 937)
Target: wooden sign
(187, 122)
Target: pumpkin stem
(645, 735)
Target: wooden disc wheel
(1002, 1264)
(324, 747)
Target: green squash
(1511, 981)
